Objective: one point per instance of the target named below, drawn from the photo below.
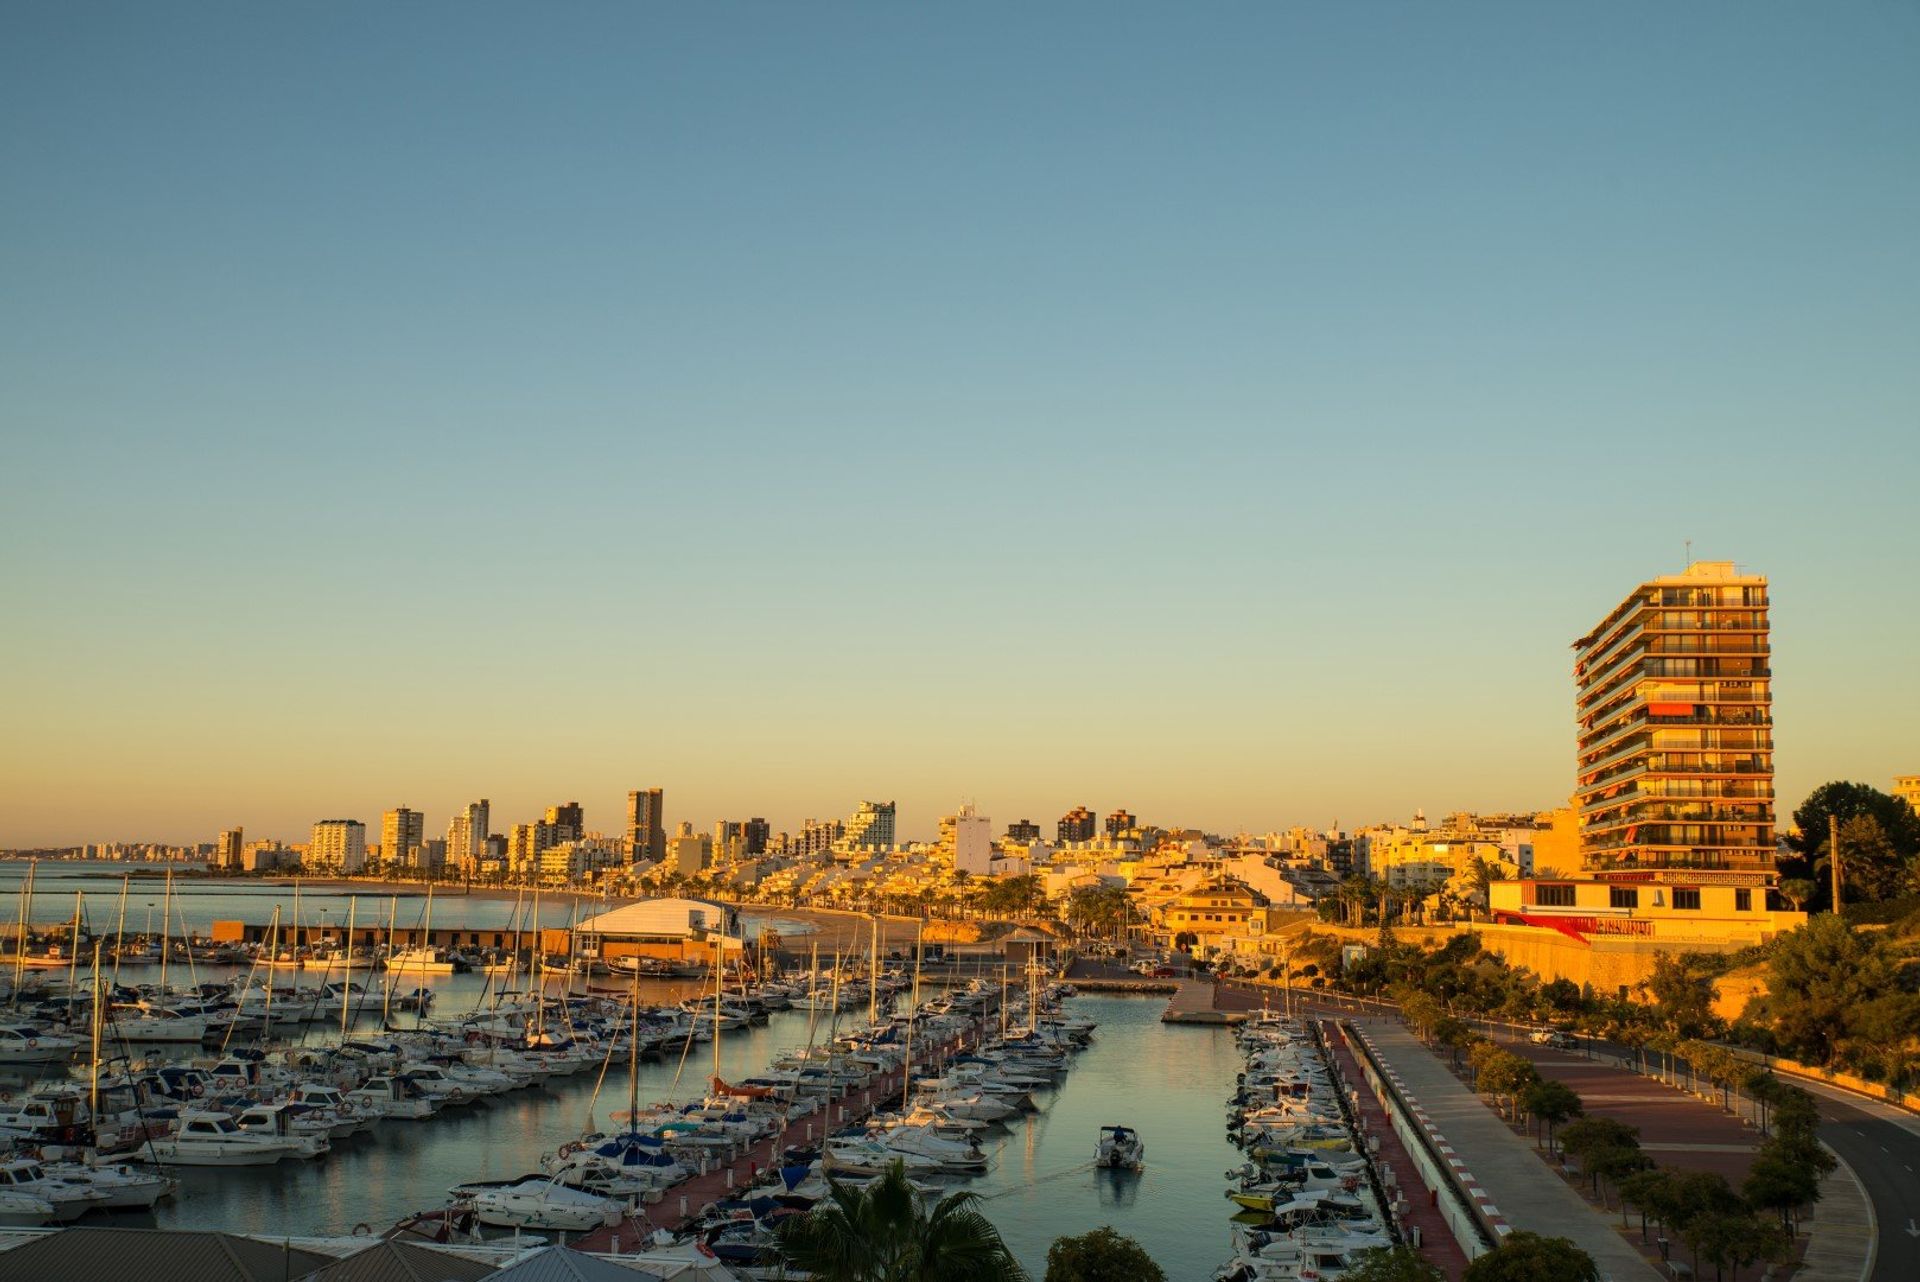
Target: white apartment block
(338, 846)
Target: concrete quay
(1505, 1166)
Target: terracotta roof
(92, 1254)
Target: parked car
(1556, 1038)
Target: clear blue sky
(1228, 411)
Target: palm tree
(887, 1233)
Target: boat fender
(706, 1250)
(363, 1229)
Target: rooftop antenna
(1689, 551)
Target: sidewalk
(1437, 1243)
(1528, 1195)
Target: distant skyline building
(467, 835)
(1675, 732)
(1023, 830)
(401, 832)
(757, 836)
(227, 849)
(871, 827)
(1075, 826)
(972, 842)
(646, 824)
(569, 818)
(1907, 788)
(527, 843)
(1119, 822)
(337, 846)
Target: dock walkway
(685, 1201)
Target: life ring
(32, 1042)
(196, 1090)
(456, 1093)
(570, 1148)
(363, 1229)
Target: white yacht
(69, 1201)
(310, 1128)
(537, 1202)
(1120, 1149)
(212, 1139)
(31, 1044)
(126, 1188)
(23, 1210)
(422, 961)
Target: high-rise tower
(1675, 756)
(646, 825)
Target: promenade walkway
(1436, 1239)
(1528, 1195)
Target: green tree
(1529, 1257)
(1871, 868)
(885, 1233)
(1820, 976)
(1391, 1264)
(1096, 910)
(1845, 800)
(1101, 1256)
(1779, 1184)
(1506, 1077)
(1552, 1102)
(1682, 991)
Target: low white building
(661, 927)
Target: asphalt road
(1882, 1145)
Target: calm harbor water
(198, 902)
(1170, 1082)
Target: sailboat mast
(873, 976)
(633, 1059)
(120, 927)
(419, 1008)
(73, 949)
(273, 946)
(93, 1070)
(913, 1014)
(386, 989)
(20, 931)
(719, 985)
(166, 908)
(346, 980)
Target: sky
(1232, 412)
